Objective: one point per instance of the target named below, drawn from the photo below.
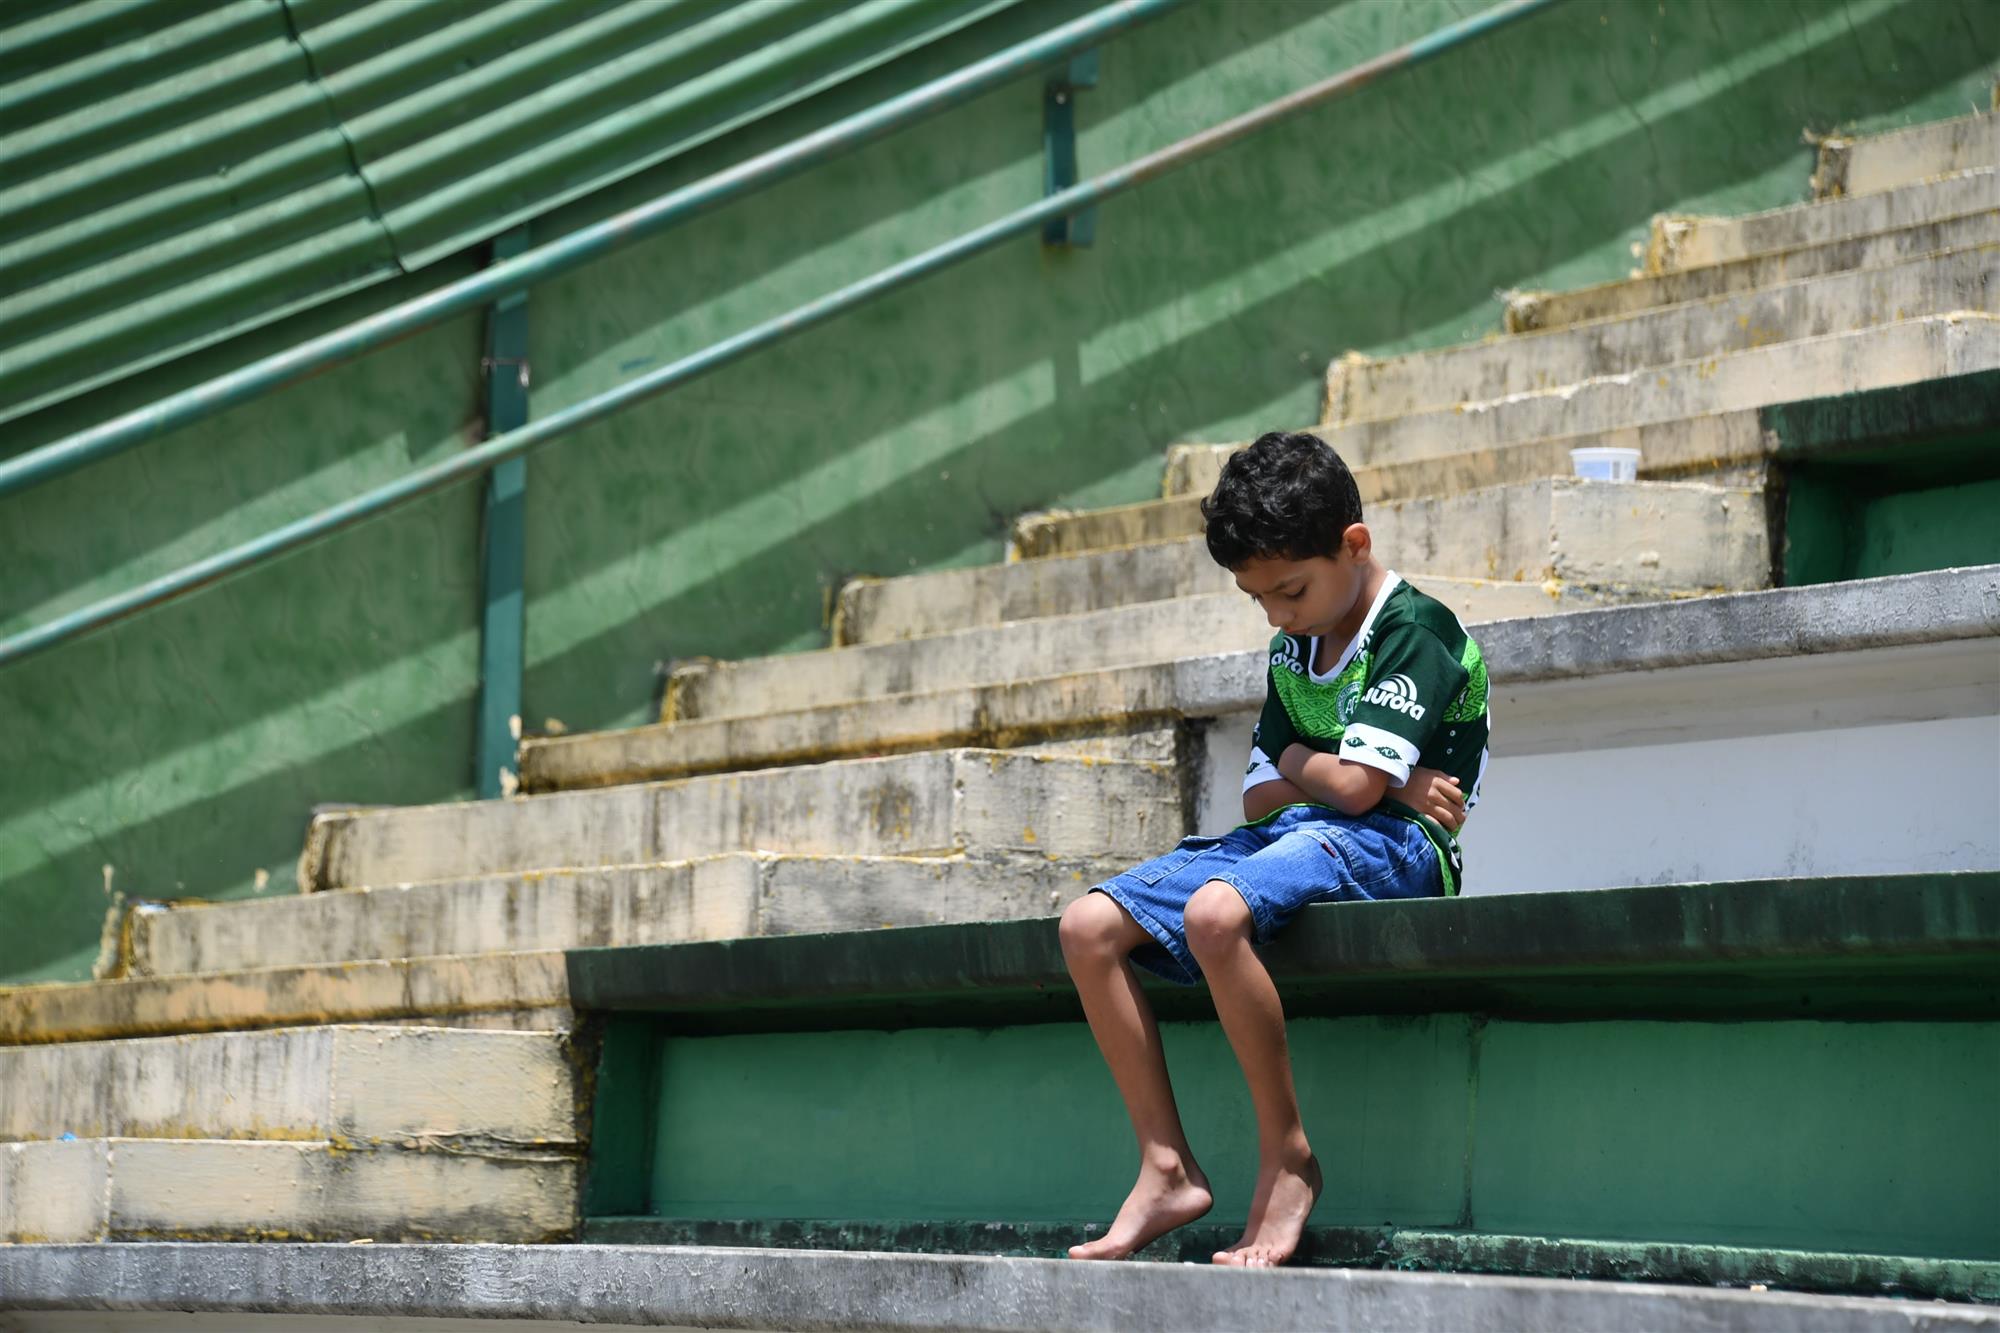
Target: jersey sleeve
(1273, 732)
(1411, 682)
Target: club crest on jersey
(1398, 694)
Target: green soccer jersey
(1409, 690)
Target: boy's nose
(1277, 622)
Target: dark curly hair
(1286, 497)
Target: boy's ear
(1356, 541)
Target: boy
(1368, 678)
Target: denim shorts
(1302, 854)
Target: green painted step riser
(1851, 1137)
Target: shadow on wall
(184, 748)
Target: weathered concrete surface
(515, 990)
(1691, 448)
(647, 1286)
(917, 606)
(1930, 284)
(723, 897)
(1878, 162)
(170, 1189)
(1110, 637)
(1526, 312)
(1657, 536)
(1680, 242)
(940, 802)
(1890, 354)
(355, 1085)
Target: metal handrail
(515, 443)
(578, 248)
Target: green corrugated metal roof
(174, 172)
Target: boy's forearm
(1265, 797)
(1352, 789)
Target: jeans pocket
(1157, 869)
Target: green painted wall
(1860, 1137)
(184, 750)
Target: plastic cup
(1605, 464)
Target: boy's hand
(1436, 794)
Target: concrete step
(1022, 649)
(1659, 537)
(1912, 417)
(946, 600)
(1668, 1015)
(526, 991)
(1528, 312)
(723, 897)
(1681, 242)
(106, 1189)
(1876, 162)
(622, 1289)
(936, 803)
(358, 1086)
(1905, 352)
(1363, 389)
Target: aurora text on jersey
(1409, 690)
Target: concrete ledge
(515, 989)
(918, 804)
(1900, 353)
(1876, 162)
(1868, 614)
(1528, 311)
(1402, 1249)
(144, 1189)
(1812, 307)
(1809, 948)
(625, 1286)
(1889, 422)
(354, 1085)
(1656, 537)
(715, 898)
(1681, 242)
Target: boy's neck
(1373, 576)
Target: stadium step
(1364, 389)
(324, 1132)
(203, 1189)
(950, 599)
(620, 1288)
(1089, 640)
(1876, 162)
(1640, 1056)
(1656, 537)
(1896, 420)
(723, 897)
(1528, 312)
(1932, 347)
(361, 1086)
(1685, 242)
(935, 803)
(526, 991)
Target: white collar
(1389, 584)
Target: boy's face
(1308, 597)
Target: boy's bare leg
(1246, 1001)
(1097, 937)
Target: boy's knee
(1217, 918)
(1090, 925)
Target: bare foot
(1286, 1193)
(1165, 1197)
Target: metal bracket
(1059, 149)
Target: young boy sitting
(1369, 750)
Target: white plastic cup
(1605, 464)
